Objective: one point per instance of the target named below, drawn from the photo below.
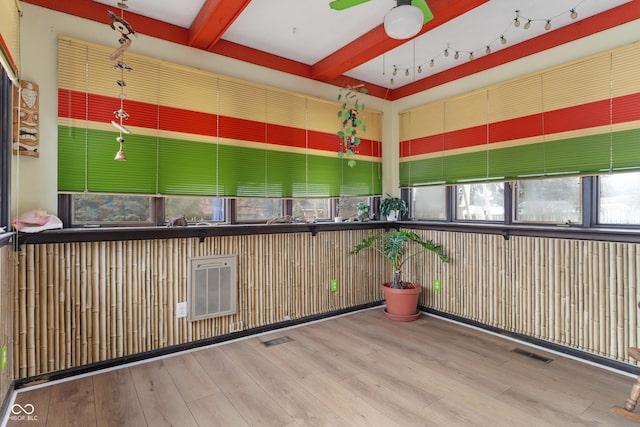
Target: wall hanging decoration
(119, 24)
(349, 112)
(26, 133)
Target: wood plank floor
(355, 370)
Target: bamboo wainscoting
(6, 322)
(84, 302)
(577, 293)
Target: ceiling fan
(403, 21)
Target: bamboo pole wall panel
(80, 303)
(580, 294)
(6, 320)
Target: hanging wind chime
(119, 24)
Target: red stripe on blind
(73, 105)
(285, 135)
(626, 108)
(179, 120)
(583, 116)
(521, 127)
(593, 114)
(241, 129)
(424, 145)
(468, 137)
(331, 142)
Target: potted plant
(393, 208)
(401, 297)
(363, 212)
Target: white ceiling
(309, 30)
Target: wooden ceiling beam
(376, 42)
(214, 18)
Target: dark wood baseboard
(119, 361)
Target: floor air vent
(213, 286)
(277, 341)
(532, 355)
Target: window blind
(199, 133)
(10, 38)
(576, 119)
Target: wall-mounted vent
(213, 286)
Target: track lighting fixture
(518, 21)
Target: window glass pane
(310, 209)
(481, 202)
(256, 209)
(347, 207)
(429, 202)
(194, 209)
(554, 200)
(111, 209)
(619, 199)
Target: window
(194, 209)
(429, 202)
(619, 199)
(347, 207)
(311, 209)
(480, 202)
(554, 200)
(98, 209)
(257, 209)
(6, 132)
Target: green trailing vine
(348, 114)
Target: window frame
(589, 200)
(6, 136)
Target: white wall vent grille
(213, 286)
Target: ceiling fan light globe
(403, 22)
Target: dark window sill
(94, 234)
(608, 234)
(628, 235)
(6, 238)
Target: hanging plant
(350, 109)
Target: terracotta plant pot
(402, 304)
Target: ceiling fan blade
(422, 5)
(345, 4)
